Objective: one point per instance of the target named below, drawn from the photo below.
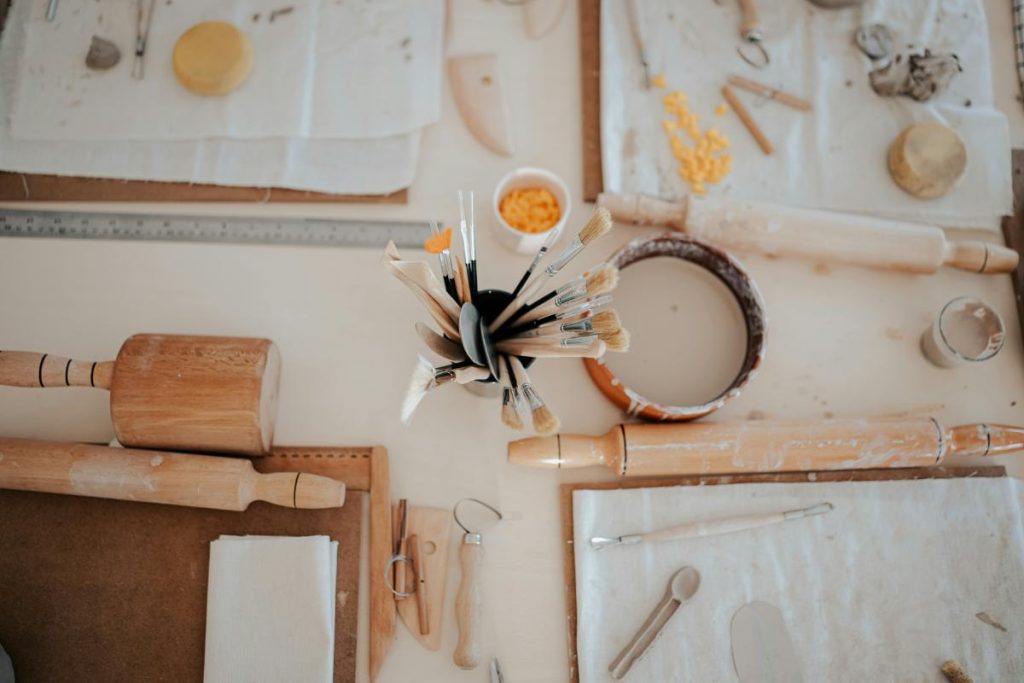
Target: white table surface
(842, 343)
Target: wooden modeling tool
(478, 93)
(767, 446)
(762, 651)
(681, 587)
(468, 602)
(420, 586)
(638, 38)
(201, 481)
(361, 469)
(770, 92)
(748, 120)
(812, 234)
(442, 346)
(713, 527)
(432, 527)
(203, 394)
(401, 548)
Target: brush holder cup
(490, 303)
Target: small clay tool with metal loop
(752, 50)
(468, 603)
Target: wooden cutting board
(713, 480)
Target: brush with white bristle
(426, 377)
(509, 397)
(600, 280)
(599, 224)
(591, 304)
(557, 348)
(545, 422)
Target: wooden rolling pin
(766, 446)
(202, 481)
(210, 394)
(813, 234)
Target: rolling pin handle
(981, 257)
(42, 370)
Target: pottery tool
(51, 9)
(573, 347)
(418, 274)
(583, 308)
(426, 377)
(681, 587)
(312, 232)
(480, 99)
(442, 346)
(143, 21)
(511, 415)
(636, 392)
(444, 255)
(361, 469)
(212, 394)
(599, 224)
(490, 350)
(712, 527)
(751, 50)
(401, 550)
(769, 92)
(812, 234)
(767, 446)
(432, 528)
(468, 229)
(544, 420)
(420, 578)
(600, 280)
(1018, 41)
(496, 676)
(641, 47)
(748, 120)
(538, 257)
(157, 477)
(965, 330)
(469, 333)
(762, 651)
(468, 601)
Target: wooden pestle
(813, 234)
(202, 481)
(766, 446)
(208, 394)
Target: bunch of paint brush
(494, 336)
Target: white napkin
(270, 609)
(323, 70)
(899, 577)
(832, 158)
(372, 166)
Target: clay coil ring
(732, 274)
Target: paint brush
(545, 422)
(582, 307)
(544, 249)
(600, 280)
(510, 416)
(426, 377)
(558, 348)
(604, 324)
(468, 229)
(599, 224)
(445, 259)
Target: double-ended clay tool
(468, 602)
(197, 394)
(713, 527)
(681, 587)
(813, 234)
(767, 446)
(202, 481)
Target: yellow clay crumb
(658, 81)
(705, 159)
(530, 209)
(722, 109)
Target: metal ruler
(315, 232)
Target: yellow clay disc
(212, 58)
(927, 159)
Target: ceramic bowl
(529, 242)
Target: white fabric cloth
(377, 166)
(270, 609)
(323, 70)
(831, 158)
(884, 587)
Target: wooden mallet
(199, 394)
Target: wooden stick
(420, 573)
(770, 92)
(747, 120)
(402, 549)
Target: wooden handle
(750, 24)
(714, 527)
(420, 573)
(748, 120)
(34, 370)
(640, 209)
(157, 477)
(980, 257)
(769, 92)
(468, 606)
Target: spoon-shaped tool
(442, 346)
(469, 332)
(490, 354)
(681, 587)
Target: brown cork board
(104, 590)
(712, 480)
(52, 188)
(1013, 231)
(590, 82)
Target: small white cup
(966, 330)
(529, 242)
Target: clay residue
(984, 617)
(918, 76)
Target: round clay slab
(212, 58)
(927, 159)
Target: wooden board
(590, 82)
(1013, 231)
(712, 480)
(52, 188)
(105, 590)
(434, 528)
